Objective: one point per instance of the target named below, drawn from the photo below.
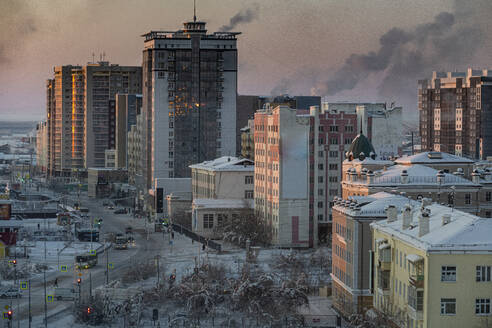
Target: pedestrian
(172, 234)
(203, 247)
(56, 283)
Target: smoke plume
(244, 16)
(16, 24)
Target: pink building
(298, 165)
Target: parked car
(110, 207)
(128, 230)
(120, 211)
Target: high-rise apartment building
(189, 99)
(456, 113)
(298, 162)
(102, 82)
(127, 108)
(80, 113)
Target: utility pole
(90, 285)
(45, 304)
(30, 316)
(157, 257)
(107, 265)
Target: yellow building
(432, 267)
(3, 250)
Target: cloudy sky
(345, 50)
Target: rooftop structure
(226, 163)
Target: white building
(223, 178)
(209, 215)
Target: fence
(190, 234)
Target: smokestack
(406, 217)
(391, 213)
(424, 222)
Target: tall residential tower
(456, 113)
(189, 100)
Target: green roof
(360, 145)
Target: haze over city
(346, 50)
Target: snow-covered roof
(369, 161)
(226, 163)
(370, 206)
(417, 175)
(464, 232)
(222, 203)
(433, 158)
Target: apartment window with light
(483, 273)
(448, 306)
(448, 273)
(482, 306)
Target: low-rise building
(210, 215)
(223, 178)
(165, 187)
(109, 158)
(351, 246)
(433, 267)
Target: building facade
(455, 111)
(128, 106)
(381, 124)
(351, 246)
(432, 267)
(223, 178)
(189, 99)
(299, 169)
(80, 113)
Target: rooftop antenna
(194, 10)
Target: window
(333, 153)
(320, 179)
(333, 179)
(483, 273)
(448, 306)
(320, 153)
(349, 128)
(208, 221)
(467, 199)
(333, 128)
(320, 217)
(348, 141)
(248, 179)
(248, 194)
(320, 204)
(448, 273)
(221, 218)
(333, 166)
(488, 196)
(333, 141)
(320, 166)
(482, 306)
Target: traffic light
(9, 314)
(79, 280)
(89, 310)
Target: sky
(343, 50)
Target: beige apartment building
(78, 121)
(432, 267)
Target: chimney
(407, 217)
(446, 218)
(475, 176)
(423, 223)
(459, 172)
(391, 213)
(370, 177)
(404, 177)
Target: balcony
(416, 280)
(384, 259)
(415, 307)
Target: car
(110, 207)
(128, 230)
(120, 211)
(10, 293)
